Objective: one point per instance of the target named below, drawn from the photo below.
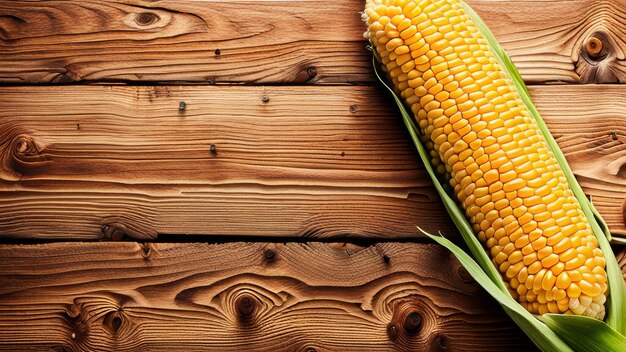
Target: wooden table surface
(228, 176)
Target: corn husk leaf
(597, 336)
(484, 271)
(616, 309)
(538, 332)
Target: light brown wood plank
(302, 164)
(269, 41)
(191, 297)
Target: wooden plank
(268, 42)
(230, 297)
(312, 161)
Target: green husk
(597, 336)
(550, 333)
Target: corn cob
(485, 143)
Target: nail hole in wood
(213, 148)
(311, 71)
(270, 254)
(265, 98)
(218, 52)
(614, 136)
(386, 258)
(182, 106)
(392, 331)
(354, 108)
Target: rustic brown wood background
(287, 157)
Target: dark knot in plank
(21, 155)
(245, 306)
(270, 254)
(599, 59)
(115, 230)
(146, 18)
(412, 323)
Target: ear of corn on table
(486, 140)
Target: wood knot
(464, 275)
(146, 18)
(593, 47)
(269, 254)
(113, 321)
(146, 250)
(114, 230)
(78, 327)
(311, 71)
(112, 233)
(245, 306)
(412, 323)
(392, 331)
(441, 343)
(599, 60)
(413, 319)
(20, 156)
(305, 74)
(25, 147)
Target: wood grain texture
(261, 41)
(311, 162)
(93, 162)
(572, 41)
(230, 297)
